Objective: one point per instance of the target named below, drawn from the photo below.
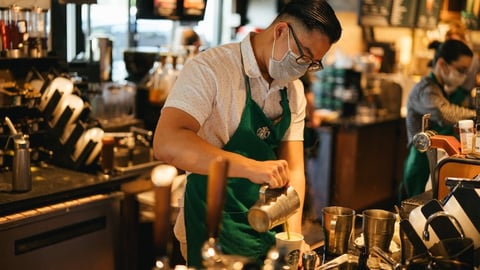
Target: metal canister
(22, 177)
(273, 207)
(309, 259)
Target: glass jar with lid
(38, 32)
(16, 31)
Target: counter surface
(52, 184)
(359, 121)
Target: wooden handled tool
(162, 178)
(217, 181)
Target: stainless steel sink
(139, 158)
(133, 152)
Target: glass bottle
(154, 93)
(162, 78)
(4, 19)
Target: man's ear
(441, 62)
(279, 29)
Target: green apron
(416, 169)
(256, 137)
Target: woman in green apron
(243, 101)
(437, 94)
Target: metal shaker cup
(309, 259)
(337, 224)
(273, 207)
(378, 227)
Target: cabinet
(61, 236)
(358, 165)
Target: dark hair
(451, 50)
(434, 45)
(314, 14)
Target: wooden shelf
(21, 66)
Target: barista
(437, 94)
(458, 31)
(243, 101)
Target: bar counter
(358, 121)
(52, 184)
(64, 213)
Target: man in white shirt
(244, 102)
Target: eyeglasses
(304, 59)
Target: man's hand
(274, 173)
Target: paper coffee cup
(291, 246)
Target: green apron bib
(256, 137)
(416, 170)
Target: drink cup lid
(465, 124)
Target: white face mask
(286, 69)
(453, 80)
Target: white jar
(467, 135)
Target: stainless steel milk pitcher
(337, 225)
(273, 207)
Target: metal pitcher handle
(333, 228)
(262, 194)
(426, 234)
(266, 193)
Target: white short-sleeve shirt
(211, 88)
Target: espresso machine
(441, 222)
